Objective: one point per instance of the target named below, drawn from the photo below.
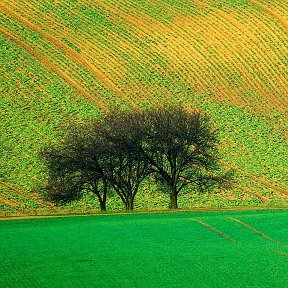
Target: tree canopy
(118, 151)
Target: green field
(147, 250)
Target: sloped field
(66, 61)
(247, 249)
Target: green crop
(224, 249)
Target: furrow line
(51, 67)
(255, 231)
(281, 20)
(214, 230)
(77, 57)
(254, 178)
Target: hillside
(70, 60)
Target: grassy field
(231, 249)
(67, 61)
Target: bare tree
(123, 133)
(181, 147)
(73, 168)
(121, 149)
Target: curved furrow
(265, 98)
(60, 60)
(145, 27)
(217, 67)
(275, 15)
(220, 19)
(42, 50)
(257, 15)
(181, 30)
(260, 180)
(104, 48)
(65, 49)
(82, 77)
(246, 71)
(140, 59)
(50, 66)
(240, 58)
(129, 65)
(209, 27)
(276, 52)
(188, 52)
(236, 24)
(256, 88)
(59, 33)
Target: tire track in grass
(256, 231)
(214, 230)
(51, 67)
(281, 253)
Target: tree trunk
(129, 205)
(173, 201)
(102, 200)
(102, 205)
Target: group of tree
(118, 151)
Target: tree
(101, 154)
(121, 149)
(123, 133)
(73, 168)
(181, 148)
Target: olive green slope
(68, 61)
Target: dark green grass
(148, 250)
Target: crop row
(151, 60)
(144, 29)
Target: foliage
(125, 147)
(182, 149)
